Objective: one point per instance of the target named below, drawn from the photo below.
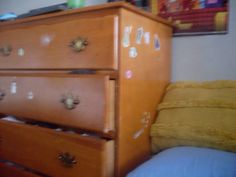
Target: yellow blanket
(197, 114)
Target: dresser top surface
(106, 6)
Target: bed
(195, 132)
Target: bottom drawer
(56, 153)
(11, 171)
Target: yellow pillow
(199, 114)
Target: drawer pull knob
(67, 159)
(70, 101)
(79, 44)
(6, 50)
(1, 95)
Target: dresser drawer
(55, 153)
(80, 101)
(11, 171)
(50, 45)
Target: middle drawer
(80, 101)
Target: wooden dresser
(79, 90)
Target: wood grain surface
(47, 46)
(142, 83)
(94, 112)
(11, 171)
(39, 148)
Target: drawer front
(11, 171)
(55, 153)
(51, 45)
(76, 101)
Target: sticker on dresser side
(157, 45)
(139, 35)
(126, 37)
(128, 74)
(145, 121)
(147, 37)
(133, 53)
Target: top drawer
(52, 45)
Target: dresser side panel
(145, 60)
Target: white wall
(208, 57)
